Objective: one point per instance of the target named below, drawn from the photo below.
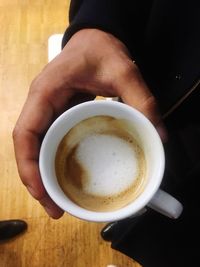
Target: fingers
(133, 91)
(35, 118)
(48, 96)
(30, 176)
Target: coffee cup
(104, 161)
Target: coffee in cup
(100, 165)
(91, 144)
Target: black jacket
(163, 37)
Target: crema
(100, 164)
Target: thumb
(136, 93)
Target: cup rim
(78, 211)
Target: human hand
(92, 63)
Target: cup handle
(166, 204)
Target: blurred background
(26, 26)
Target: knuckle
(16, 132)
(126, 68)
(36, 193)
(124, 72)
(150, 109)
(39, 84)
(35, 85)
(150, 103)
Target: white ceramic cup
(151, 196)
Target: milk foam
(100, 164)
(111, 163)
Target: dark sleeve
(103, 15)
(126, 20)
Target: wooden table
(25, 28)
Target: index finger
(35, 118)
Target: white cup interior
(147, 136)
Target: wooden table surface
(25, 28)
